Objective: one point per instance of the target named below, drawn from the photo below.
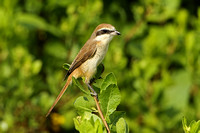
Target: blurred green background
(156, 61)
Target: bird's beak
(116, 33)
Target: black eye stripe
(104, 31)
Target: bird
(89, 57)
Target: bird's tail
(61, 93)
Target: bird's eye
(103, 31)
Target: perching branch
(97, 101)
(101, 114)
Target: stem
(98, 106)
(101, 114)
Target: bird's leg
(93, 92)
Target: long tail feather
(61, 93)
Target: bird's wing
(86, 52)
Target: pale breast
(91, 64)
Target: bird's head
(104, 32)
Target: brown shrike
(89, 57)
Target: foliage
(194, 126)
(155, 60)
(109, 98)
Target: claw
(94, 94)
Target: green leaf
(66, 66)
(122, 126)
(184, 123)
(110, 79)
(98, 79)
(113, 118)
(88, 123)
(83, 126)
(84, 103)
(80, 86)
(195, 127)
(109, 99)
(100, 70)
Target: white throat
(104, 39)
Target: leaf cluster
(193, 127)
(109, 98)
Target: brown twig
(98, 106)
(101, 114)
